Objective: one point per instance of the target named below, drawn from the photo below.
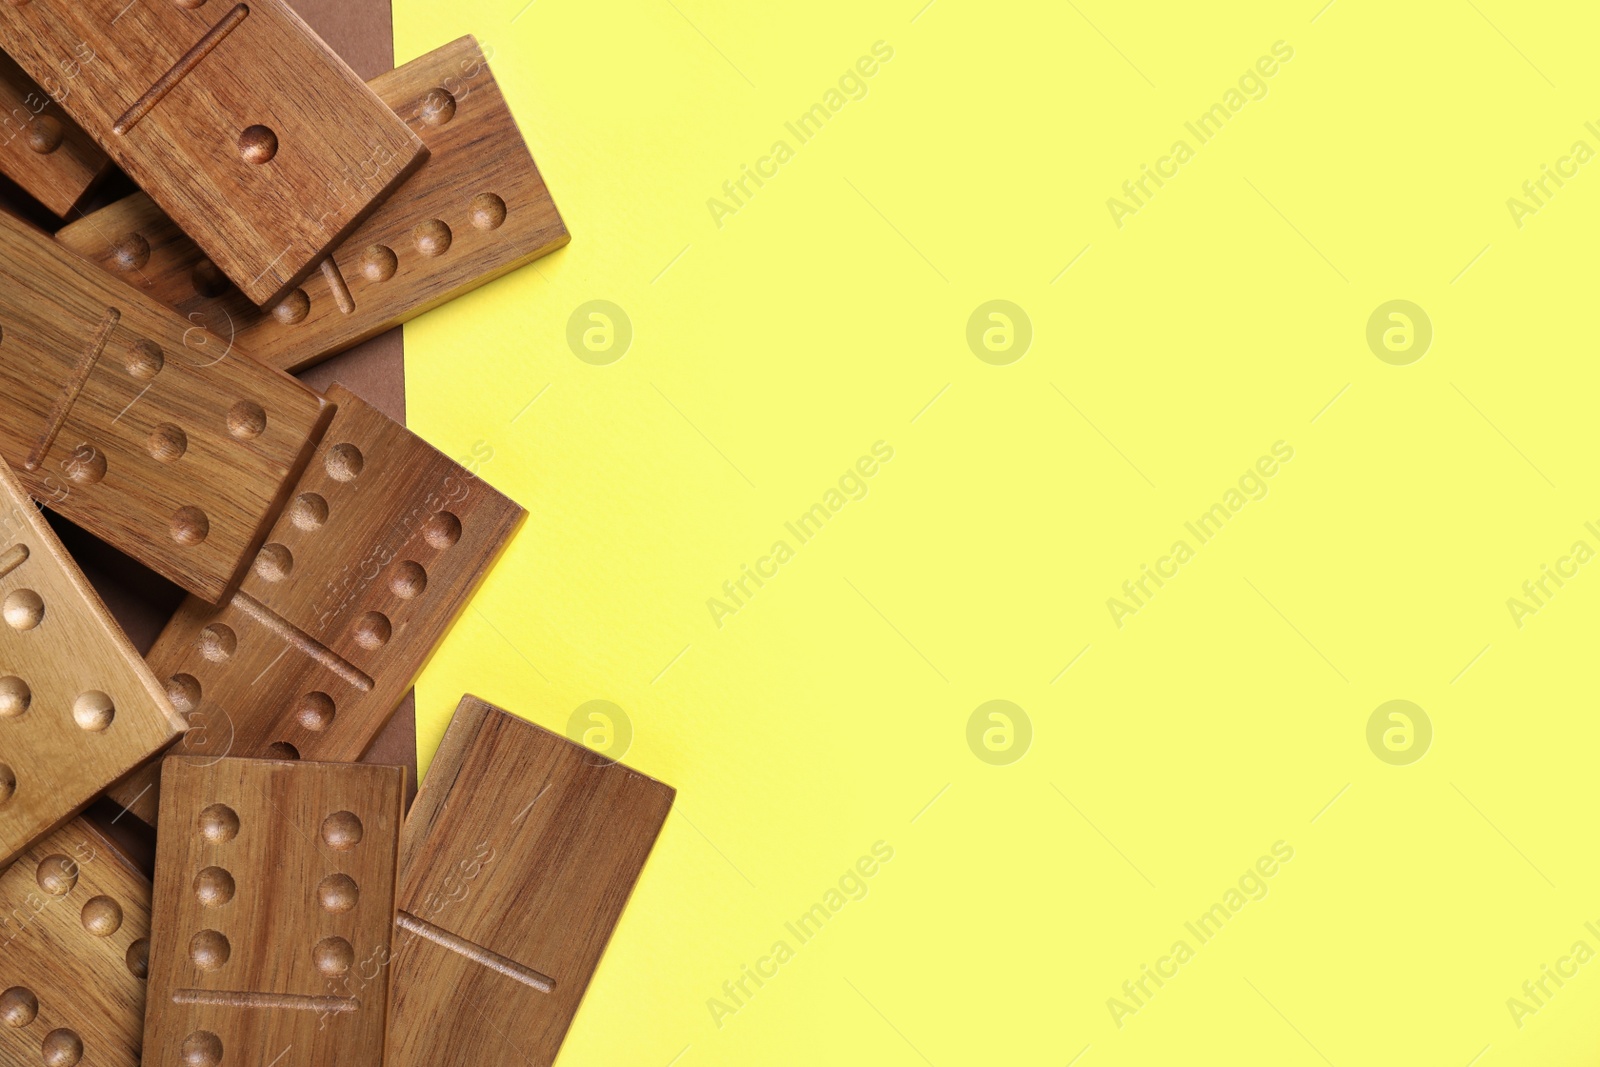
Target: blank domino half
(138, 426)
(78, 707)
(42, 150)
(382, 544)
(74, 949)
(518, 858)
(239, 120)
(270, 923)
(475, 211)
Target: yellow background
(1229, 713)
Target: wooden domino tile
(239, 120)
(78, 707)
(41, 149)
(271, 919)
(517, 860)
(162, 439)
(74, 949)
(382, 544)
(476, 210)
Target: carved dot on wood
(213, 887)
(309, 511)
(438, 107)
(333, 956)
(217, 642)
(409, 580)
(293, 308)
(62, 1048)
(209, 950)
(315, 711)
(93, 711)
(102, 916)
(247, 420)
(15, 697)
(344, 462)
(201, 1048)
(144, 360)
(219, 824)
(432, 237)
(167, 443)
(378, 263)
(342, 831)
(257, 145)
(130, 252)
(18, 1007)
(23, 609)
(274, 562)
(137, 958)
(373, 630)
(208, 279)
(56, 875)
(443, 530)
(190, 526)
(488, 211)
(8, 784)
(184, 691)
(338, 893)
(44, 134)
(85, 466)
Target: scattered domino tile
(78, 707)
(41, 149)
(384, 540)
(517, 860)
(148, 432)
(270, 924)
(74, 946)
(243, 125)
(476, 210)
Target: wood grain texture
(160, 438)
(74, 941)
(517, 860)
(270, 927)
(41, 149)
(380, 548)
(78, 708)
(476, 210)
(245, 127)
